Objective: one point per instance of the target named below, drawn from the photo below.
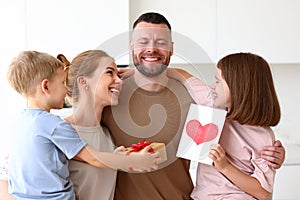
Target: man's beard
(143, 70)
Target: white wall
(269, 28)
(57, 26)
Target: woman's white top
(93, 183)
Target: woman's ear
(45, 85)
(81, 81)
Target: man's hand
(275, 155)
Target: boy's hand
(120, 148)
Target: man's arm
(275, 155)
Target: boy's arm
(4, 195)
(145, 161)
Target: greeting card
(202, 128)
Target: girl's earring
(86, 88)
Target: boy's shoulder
(43, 117)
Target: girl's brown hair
(84, 64)
(253, 96)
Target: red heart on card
(199, 133)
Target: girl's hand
(218, 155)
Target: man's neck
(152, 84)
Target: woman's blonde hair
(84, 64)
(29, 68)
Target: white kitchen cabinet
(270, 28)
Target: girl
(244, 86)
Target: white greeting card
(202, 128)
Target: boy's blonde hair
(29, 68)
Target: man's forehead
(157, 32)
(150, 25)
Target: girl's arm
(199, 91)
(245, 182)
(178, 74)
(144, 161)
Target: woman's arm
(245, 182)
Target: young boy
(42, 143)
